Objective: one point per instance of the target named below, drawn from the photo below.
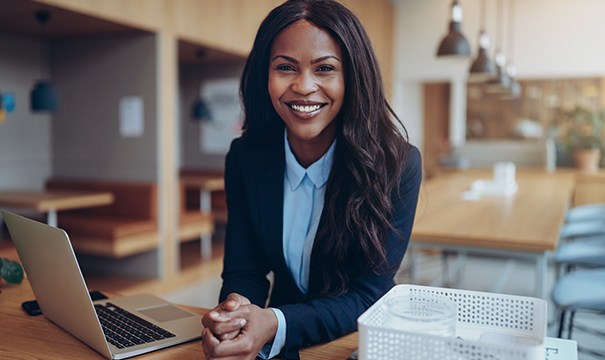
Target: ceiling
(18, 17)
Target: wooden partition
(590, 188)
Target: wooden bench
(126, 227)
(129, 225)
(216, 188)
(195, 224)
(204, 191)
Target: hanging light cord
(511, 26)
(42, 17)
(483, 15)
(500, 32)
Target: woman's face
(306, 83)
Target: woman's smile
(305, 110)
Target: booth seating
(203, 191)
(195, 224)
(129, 225)
(126, 227)
(217, 194)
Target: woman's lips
(305, 110)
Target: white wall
(551, 38)
(192, 155)
(25, 142)
(92, 76)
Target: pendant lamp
(43, 96)
(482, 68)
(454, 44)
(200, 111)
(501, 82)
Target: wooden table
(206, 183)
(523, 225)
(26, 337)
(52, 201)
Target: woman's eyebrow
(314, 61)
(285, 57)
(324, 58)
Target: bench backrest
(132, 199)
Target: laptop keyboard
(124, 329)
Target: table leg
(206, 240)
(206, 246)
(205, 201)
(541, 270)
(51, 218)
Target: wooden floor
(194, 269)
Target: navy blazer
(254, 183)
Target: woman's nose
(304, 84)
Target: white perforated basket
(514, 326)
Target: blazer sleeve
(324, 319)
(245, 264)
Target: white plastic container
(489, 326)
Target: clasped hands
(237, 329)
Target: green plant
(581, 128)
(11, 271)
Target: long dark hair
(370, 149)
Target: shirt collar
(317, 172)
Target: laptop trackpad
(165, 313)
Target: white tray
(515, 325)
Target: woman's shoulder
(411, 174)
(413, 157)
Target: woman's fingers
(234, 349)
(224, 324)
(234, 301)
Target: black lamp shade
(500, 84)
(200, 111)
(44, 97)
(483, 67)
(454, 43)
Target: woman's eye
(324, 68)
(284, 67)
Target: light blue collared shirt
(304, 191)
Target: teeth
(305, 108)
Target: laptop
(57, 282)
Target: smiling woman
(321, 188)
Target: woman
(321, 188)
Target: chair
(580, 291)
(577, 229)
(586, 212)
(582, 243)
(585, 252)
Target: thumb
(234, 301)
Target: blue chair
(586, 251)
(586, 212)
(580, 291)
(576, 229)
